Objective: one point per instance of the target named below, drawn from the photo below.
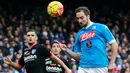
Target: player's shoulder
(38, 45)
(41, 45)
(25, 47)
(79, 32)
(100, 25)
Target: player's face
(82, 18)
(56, 49)
(31, 37)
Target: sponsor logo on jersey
(87, 35)
(53, 69)
(30, 58)
(53, 64)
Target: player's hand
(7, 60)
(62, 46)
(111, 67)
(68, 71)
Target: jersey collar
(30, 47)
(88, 25)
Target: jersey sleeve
(108, 35)
(21, 61)
(77, 47)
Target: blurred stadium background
(17, 16)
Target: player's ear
(36, 37)
(88, 16)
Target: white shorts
(93, 70)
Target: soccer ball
(55, 8)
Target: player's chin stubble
(83, 25)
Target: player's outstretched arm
(57, 60)
(74, 55)
(8, 61)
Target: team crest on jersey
(94, 27)
(87, 35)
(33, 51)
(89, 44)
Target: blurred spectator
(123, 54)
(1, 58)
(1, 69)
(128, 51)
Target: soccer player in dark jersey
(34, 55)
(50, 65)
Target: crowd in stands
(13, 28)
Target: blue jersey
(91, 44)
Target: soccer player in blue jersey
(90, 45)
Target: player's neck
(88, 24)
(30, 45)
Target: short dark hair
(32, 30)
(84, 9)
(54, 42)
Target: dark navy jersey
(34, 59)
(52, 67)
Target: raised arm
(8, 61)
(74, 55)
(114, 49)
